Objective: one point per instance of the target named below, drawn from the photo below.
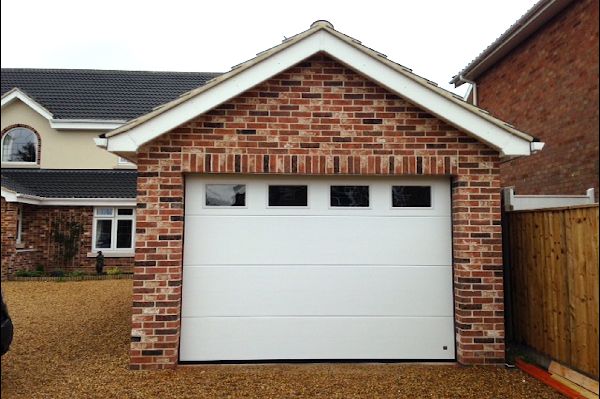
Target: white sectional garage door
(317, 268)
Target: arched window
(19, 145)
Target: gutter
(473, 91)
(542, 12)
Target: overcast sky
(436, 38)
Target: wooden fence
(552, 276)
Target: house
(541, 75)
(318, 202)
(63, 198)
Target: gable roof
(87, 94)
(321, 37)
(41, 185)
(529, 23)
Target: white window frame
(431, 197)
(307, 206)
(114, 218)
(19, 224)
(17, 163)
(205, 187)
(351, 208)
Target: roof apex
(345, 49)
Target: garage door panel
(317, 240)
(314, 281)
(265, 338)
(282, 290)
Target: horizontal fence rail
(553, 275)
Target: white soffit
(421, 92)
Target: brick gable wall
(548, 87)
(317, 118)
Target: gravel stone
(72, 340)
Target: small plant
(67, 234)
(76, 273)
(29, 273)
(57, 273)
(39, 268)
(113, 271)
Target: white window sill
(112, 254)
(24, 165)
(26, 250)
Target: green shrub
(76, 273)
(113, 271)
(39, 268)
(57, 273)
(29, 273)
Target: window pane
(104, 211)
(225, 194)
(19, 145)
(125, 211)
(103, 233)
(288, 195)
(349, 196)
(411, 196)
(124, 233)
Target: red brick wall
(548, 87)
(8, 220)
(318, 118)
(39, 246)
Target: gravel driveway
(71, 341)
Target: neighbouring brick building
(260, 199)
(542, 76)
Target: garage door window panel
(288, 196)
(113, 229)
(349, 196)
(225, 195)
(411, 197)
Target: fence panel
(553, 273)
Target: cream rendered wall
(61, 149)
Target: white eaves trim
(507, 140)
(59, 124)
(85, 124)
(17, 94)
(12, 196)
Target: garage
(317, 268)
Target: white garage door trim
(265, 283)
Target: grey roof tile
(100, 94)
(71, 183)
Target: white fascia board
(16, 94)
(11, 196)
(130, 202)
(480, 128)
(8, 195)
(269, 67)
(85, 124)
(60, 124)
